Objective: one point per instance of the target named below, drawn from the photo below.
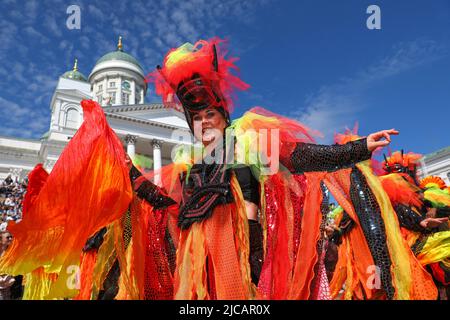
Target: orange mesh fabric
(220, 241)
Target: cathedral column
(119, 92)
(157, 161)
(133, 93)
(131, 142)
(104, 90)
(142, 96)
(423, 168)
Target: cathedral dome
(74, 74)
(120, 56)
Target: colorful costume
(190, 238)
(434, 250)
(399, 184)
(391, 254)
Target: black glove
(95, 241)
(256, 249)
(150, 192)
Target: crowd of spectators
(12, 192)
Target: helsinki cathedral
(117, 83)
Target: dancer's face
(6, 239)
(209, 125)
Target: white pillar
(119, 91)
(131, 142)
(133, 93)
(157, 161)
(104, 90)
(142, 96)
(423, 168)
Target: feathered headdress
(401, 162)
(198, 76)
(432, 182)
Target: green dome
(74, 75)
(121, 56)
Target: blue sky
(312, 60)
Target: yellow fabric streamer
(436, 248)
(37, 284)
(105, 259)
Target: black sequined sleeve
(443, 212)
(408, 218)
(150, 192)
(313, 157)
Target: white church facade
(436, 164)
(117, 83)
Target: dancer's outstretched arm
(414, 222)
(147, 190)
(313, 157)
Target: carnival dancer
(238, 217)
(198, 75)
(433, 249)
(402, 205)
(423, 209)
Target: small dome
(74, 74)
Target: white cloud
(33, 33)
(85, 42)
(335, 106)
(12, 109)
(63, 44)
(16, 14)
(52, 26)
(96, 12)
(31, 10)
(8, 36)
(22, 121)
